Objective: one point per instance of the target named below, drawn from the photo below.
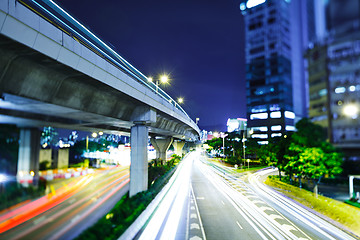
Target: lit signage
(254, 3)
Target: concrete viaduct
(55, 72)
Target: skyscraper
(276, 36)
(334, 75)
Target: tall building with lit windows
(334, 75)
(276, 36)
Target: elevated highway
(56, 72)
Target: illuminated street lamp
(223, 136)
(244, 145)
(351, 110)
(180, 100)
(163, 79)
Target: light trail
(51, 211)
(297, 211)
(175, 195)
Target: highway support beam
(178, 146)
(28, 159)
(161, 146)
(139, 139)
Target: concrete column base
(161, 146)
(178, 146)
(139, 159)
(28, 159)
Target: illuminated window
(276, 128)
(274, 107)
(257, 109)
(276, 135)
(263, 142)
(262, 129)
(276, 114)
(322, 92)
(290, 115)
(254, 3)
(242, 6)
(259, 116)
(352, 88)
(290, 128)
(340, 90)
(259, 136)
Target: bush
(15, 193)
(233, 160)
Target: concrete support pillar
(28, 159)
(178, 146)
(161, 146)
(139, 159)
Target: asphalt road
(65, 214)
(205, 201)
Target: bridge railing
(57, 16)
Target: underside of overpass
(39, 91)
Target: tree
(310, 156)
(273, 153)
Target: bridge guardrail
(57, 16)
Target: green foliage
(44, 165)
(215, 143)
(339, 211)
(309, 155)
(128, 209)
(304, 153)
(9, 148)
(14, 193)
(233, 160)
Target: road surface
(67, 212)
(205, 201)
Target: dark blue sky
(200, 43)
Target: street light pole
(223, 146)
(244, 140)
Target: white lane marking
(194, 226)
(200, 198)
(239, 225)
(222, 202)
(195, 238)
(192, 208)
(288, 227)
(197, 210)
(264, 208)
(275, 216)
(193, 215)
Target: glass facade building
(276, 36)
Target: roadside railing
(57, 16)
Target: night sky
(200, 43)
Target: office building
(334, 76)
(276, 37)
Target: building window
(290, 128)
(261, 129)
(276, 128)
(289, 115)
(262, 136)
(340, 90)
(258, 116)
(276, 114)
